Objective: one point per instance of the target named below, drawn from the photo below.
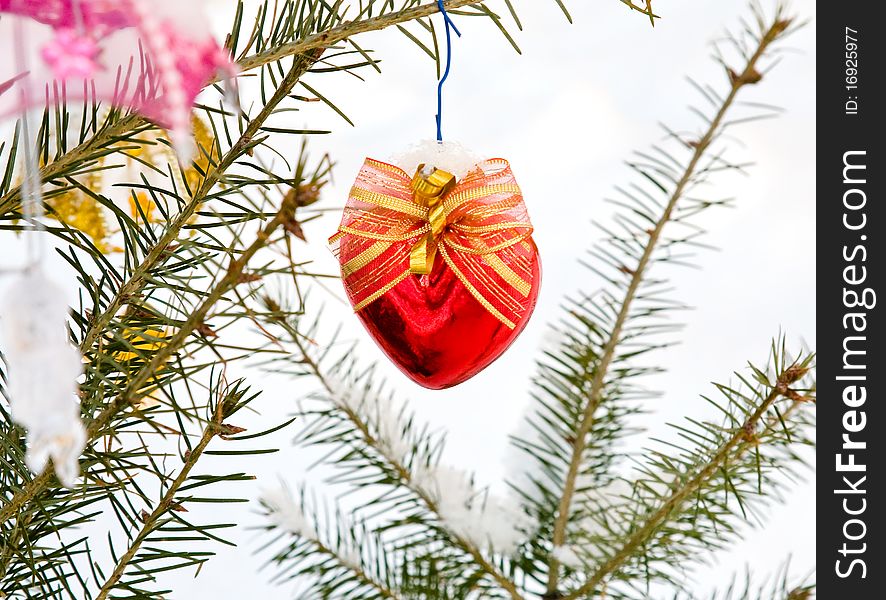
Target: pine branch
(356, 26)
(375, 443)
(152, 521)
(346, 30)
(158, 252)
(337, 560)
(313, 45)
(748, 75)
(362, 576)
(77, 158)
(780, 585)
(136, 387)
(699, 470)
(404, 474)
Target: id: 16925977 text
(850, 71)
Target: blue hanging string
(449, 25)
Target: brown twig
(166, 503)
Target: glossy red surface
(434, 330)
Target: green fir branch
(328, 551)
(135, 388)
(159, 328)
(158, 519)
(583, 383)
(753, 422)
(369, 444)
(781, 585)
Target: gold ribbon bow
(430, 185)
(394, 226)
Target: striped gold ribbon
(394, 226)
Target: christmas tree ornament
(437, 256)
(153, 57)
(442, 271)
(43, 370)
(150, 56)
(43, 365)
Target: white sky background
(566, 114)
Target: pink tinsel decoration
(152, 56)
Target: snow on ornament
(43, 369)
(440, 266)
(150, 56)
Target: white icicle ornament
(43, 369)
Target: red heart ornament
(444, 275)
(436, 332)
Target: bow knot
(429, 185)
(394, 227)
